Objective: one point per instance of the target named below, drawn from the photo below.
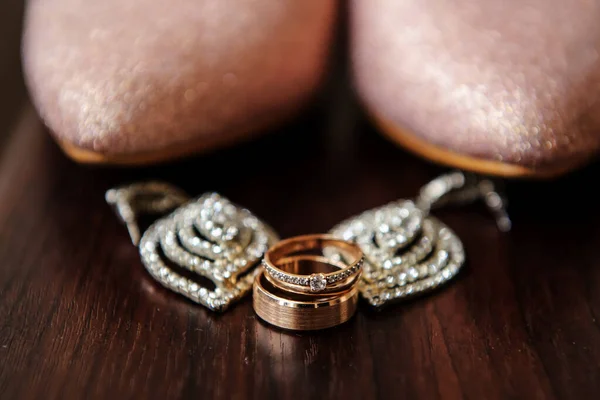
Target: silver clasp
(143, 198)
(460, 188)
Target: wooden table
(80, 317)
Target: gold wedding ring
(281, 265)
(300, 290)
(293, 311)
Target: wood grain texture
(80, 318)
(12, 93)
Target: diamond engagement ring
(283, 265)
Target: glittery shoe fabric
(139, 76)
(515, 81)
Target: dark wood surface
(80, 318)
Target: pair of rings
(300, 288)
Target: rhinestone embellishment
(408, 252)
(209, 237)
(428, 255)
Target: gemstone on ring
(318, 282)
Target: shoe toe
(126, 78)
(483, 80)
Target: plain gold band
(301, 312)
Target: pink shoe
(501, 87)
(142, 81)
